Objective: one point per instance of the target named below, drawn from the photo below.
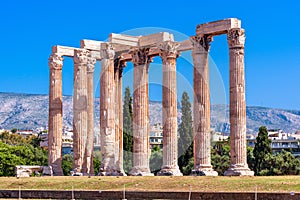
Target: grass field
(220, 184)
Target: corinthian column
(169, 54)
(80, 109)
(55, 114)
(238, 151)
(141, 129)
(202, 158)
(107, 112)
(91, 61)
(119, 65)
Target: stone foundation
(112, 173)
(204, 171)
(169, 171)
(138, 171)
(236, 170)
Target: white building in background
(156, 135)
(217, 136)
(44, 139)
(281, 140)
(25, 133)
(3, 130)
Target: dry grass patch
(226, 184)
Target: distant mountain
(27, 111)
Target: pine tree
(185, 130)
(261, 149)
(127, 130)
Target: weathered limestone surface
(169, 101)
(93, 46)
(55, 114)
(119, 116)
(91, 61)
(107, 112)
(124, 40)
(218, 27)
(117, 119)
(141, 148)
(140, 50)
(154, 39)
(202, 158)
(238, 151)
(80, 98)
(27, 170)
(63, 50)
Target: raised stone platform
(96, 194)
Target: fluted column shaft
(119, 65)
(202, 158)
(141, 129)
(170, 139)
(107, 111)
(91, 61)
(117, 120)
(80, 97)
(238, 150)
(55, 114)
(237, 99)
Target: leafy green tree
(67, 164)
(17, 150)
(187, 169)
(283, 163)
(8, 160)
(261, 149)
(14, 130)
(156, 159)
(185, 130)
(97, 164)
(127, 131)
(250, 158)
(186, 161)
(220, 158)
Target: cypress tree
(185, 130)
(127, 130)
(261, 149)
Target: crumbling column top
(236, 37)
(201, 43)
(55, 61)
(218, 27)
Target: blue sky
(272, 51)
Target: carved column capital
(55, 61)
(107, 52)
(201, 43)
(168, 50)
(81, 56)
(236, 38)
(91, 61)
(140, 56)
(119, 66)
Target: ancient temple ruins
(140, 50)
